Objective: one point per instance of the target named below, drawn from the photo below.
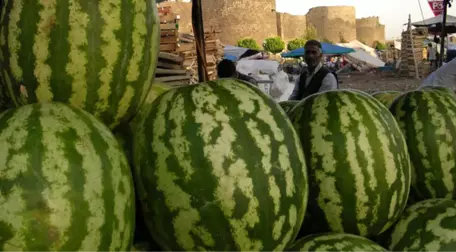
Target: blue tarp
(327, 49)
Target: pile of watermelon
(95, 157)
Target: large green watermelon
(359, 168)
(96, 55)
(124, 134)
(386, 97)
(65, 182)
(439, 88)
(287, 106)
(428, 225)
(335, 242)
(428, 121)
(221, 168)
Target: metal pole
(198, 30)
(443, 35)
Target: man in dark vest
(317, 78)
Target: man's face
(312, 55)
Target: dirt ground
(373, 82)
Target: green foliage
(296, 43)
(274, 45)
(311, 33)
(248, 43)
(379, 46)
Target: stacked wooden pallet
(177, 63)
(214, 53)
(170, 70)
(412, 53)
(169, 29)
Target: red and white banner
(436, 6)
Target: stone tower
(240, 18)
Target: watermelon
(335, 242)
(439, 88)
(386, 97)
(65, 182)
(288, 105)
(426, 226)
(359, 167)
(428, 120)
(124, 133)
(96, 55)
(221, 168)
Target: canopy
(327, 49)
(434, 24)
(234, 53)
(364, 59)
(451, 20)
(356, 44)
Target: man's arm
(328, 83)
(295, 95)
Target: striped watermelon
(96, 55)
(124, 134)
(428, 121)
(426, 226)
(65, 183)
(359, 168)
(386, 97)
(288, 105)
(439, 88)
(335, 242)
(221, 168)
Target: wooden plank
(168, 26)
(170, 56)
(168, 33)
(168, 18)
(169, 65)
(168, 47)
(168, 40)
(178, 83)
(170, 71)
(172, 78)
(184, 39)
(186, 47)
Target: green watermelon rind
(66, 183)
(183, 121)
(427, 119)
(381, 200)
(102, 61)
(335, 242)
(425, 226)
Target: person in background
(432, 56)
(317, 78)
(227, 69)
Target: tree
(379, 46)
(274, 45)
(296, 43)
(248, 43)
(311, 33)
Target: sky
(392, 13)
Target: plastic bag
(444, 76)
(280, 84)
